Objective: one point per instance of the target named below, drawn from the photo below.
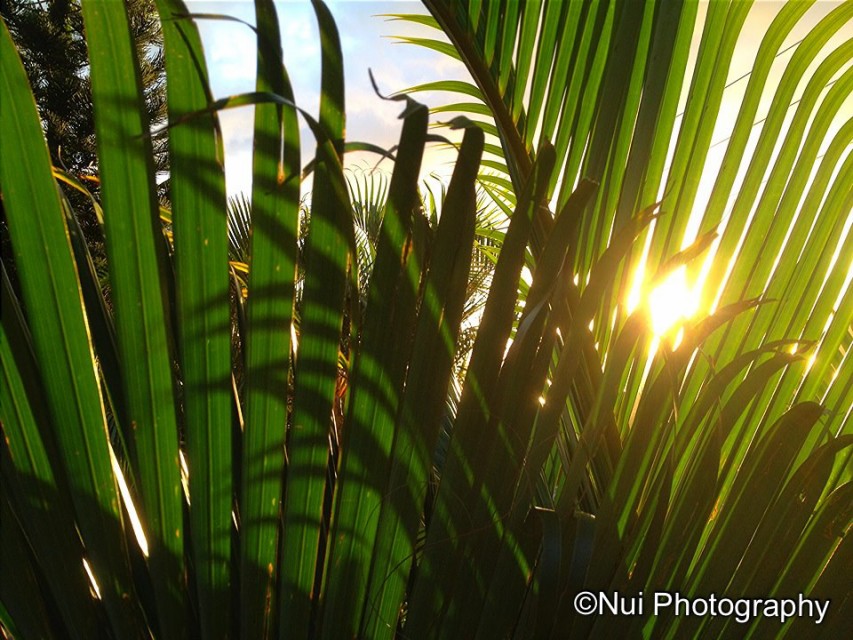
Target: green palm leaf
(429, 410)
(61, 343)
(602, 82)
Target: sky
(367, 43)
(367, 39)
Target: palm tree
(651, 486)
(571, 457)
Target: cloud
(365, 42)
(237, 137)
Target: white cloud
(230, 52)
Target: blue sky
(367, 44)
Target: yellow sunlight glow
(135, 522)
(185, 475)
(671, 302)
(96, 591)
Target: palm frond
(437, 410)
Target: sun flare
(671, 302)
